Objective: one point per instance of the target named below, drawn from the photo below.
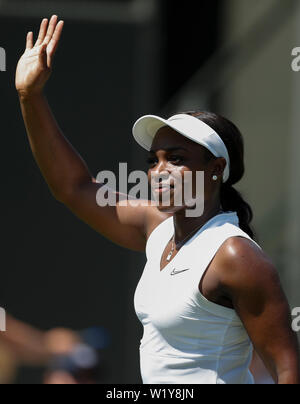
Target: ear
(219, 166)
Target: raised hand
(35, 65)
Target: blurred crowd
(66, 356)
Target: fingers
(52, 47)
(51, 29)
(46, 31)
(42, 33)
(47, 41)
(29, 40)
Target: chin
(169, 209)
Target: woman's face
(171, 157)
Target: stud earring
(215, 177)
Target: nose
(160, 173)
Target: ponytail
(232, 200)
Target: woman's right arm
(65, 172)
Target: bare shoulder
(242, 263)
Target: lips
(164, 185)
(162, 188)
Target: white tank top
(188, 339)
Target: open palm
(34, 67)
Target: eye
(151, 161)
(175, 158)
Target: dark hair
(231, 199)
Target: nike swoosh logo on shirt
(174, 272)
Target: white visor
(145, 129)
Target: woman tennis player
(208, 293)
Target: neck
(186, 225)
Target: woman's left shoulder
(241, 259)
(241, 246)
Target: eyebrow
(168, 149)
